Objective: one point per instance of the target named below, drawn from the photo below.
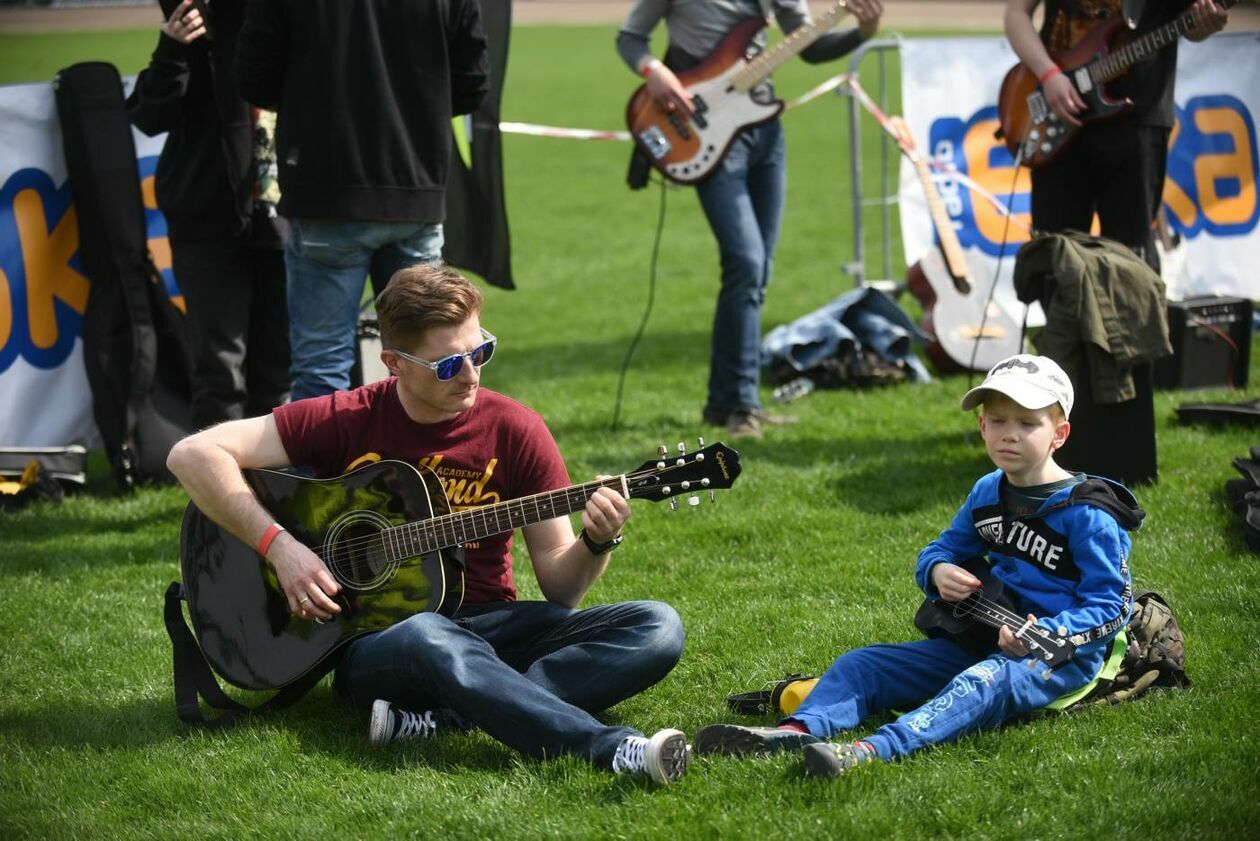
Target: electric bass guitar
(965, 329)
(389, 538)
(974, 621)
(725, 93)
(1032, 131)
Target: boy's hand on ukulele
(668, 92)
(307, 584)
(953, 582)
(1011, 644)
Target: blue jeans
(967, 693)
(530, 674)
(743, 201)
(328, 262)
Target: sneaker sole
(733, 740)
(378, 727)
(668, 756)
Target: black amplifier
(1211, 340)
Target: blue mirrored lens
(449, 367)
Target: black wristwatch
(600, 548)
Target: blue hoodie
(1067, 563)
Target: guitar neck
(424, 536)
(950, 246)
(1116, 64)
(760, 68)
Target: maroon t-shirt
(495, 451)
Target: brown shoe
(744, 423)
(722, 417)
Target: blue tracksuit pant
(968, 693)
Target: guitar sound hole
(355, 553)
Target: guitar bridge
(655, 142)
(1038, 111)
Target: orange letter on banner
(1235, 165)
(6, 310)
(978, 144)
(47, 259)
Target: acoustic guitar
(726, 96)
(1033, 133)
(965, 329)
(974, 621)
(387, 535)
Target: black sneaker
(737, 740)
(662, 759)
(831, 759)
(392, 724)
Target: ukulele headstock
(684, 474)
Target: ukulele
(686, 148)
(974, 622)
(1033, 133)
(964, 330)
(388, 536)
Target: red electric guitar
(687, 147)
(1032, 131)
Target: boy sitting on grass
(1055, 540)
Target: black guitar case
(134, 338)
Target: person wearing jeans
(743, 197)
(328, 263)
(364, 148)
(531, 674)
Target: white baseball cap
(1033, 382)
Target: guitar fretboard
(1116, 64)
(760, 68)
(412, 539)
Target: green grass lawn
(810, 554)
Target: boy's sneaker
(392, 724)
(831, 759)
(663, 757)
(737, 740)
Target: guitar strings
(343, 550)
(976, 605)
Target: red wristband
(1050, 74)
(268, 536)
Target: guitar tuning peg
(693, 500)
(682, 448)
(700, 441)
(661, 449)
(712, 497)
(673, 504)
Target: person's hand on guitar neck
(665, 87)
(308, 586)
(1209, 19)
(867, 14)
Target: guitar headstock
(684, 474)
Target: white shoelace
(631, 755)
(416, 724)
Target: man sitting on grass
(529, 673)
(1055, 540)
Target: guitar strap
(194, 680)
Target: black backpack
(135, 343)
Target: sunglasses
(448, 367)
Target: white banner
(949, 94)
(44, 395)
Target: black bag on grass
(135, 343)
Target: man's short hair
(419, 298)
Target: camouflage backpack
(1155, 656)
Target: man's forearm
(212, 478)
